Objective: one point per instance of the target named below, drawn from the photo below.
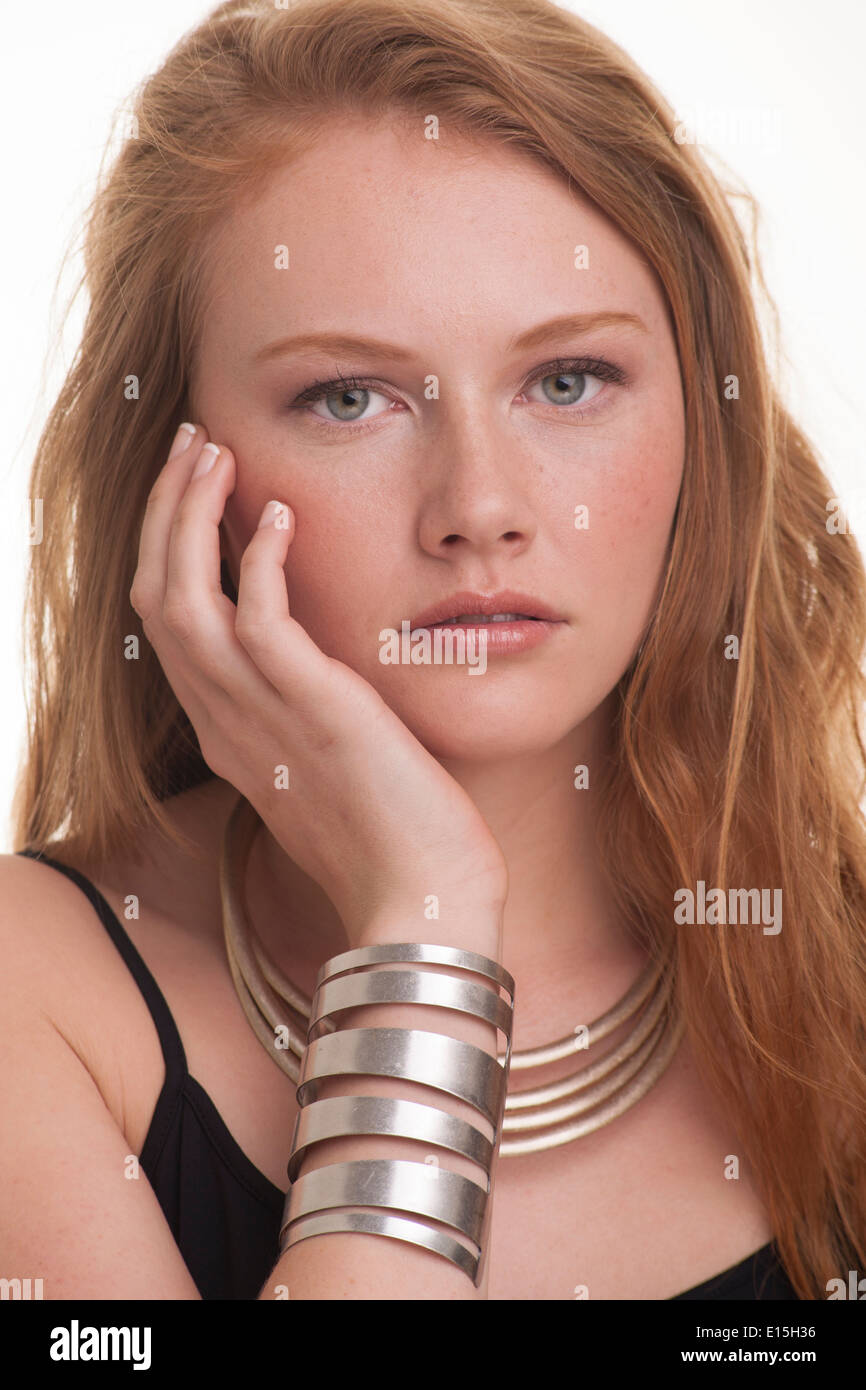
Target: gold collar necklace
(541, 1117)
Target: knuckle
(183, 525)
(248, 558)
(251, 630)
(177, 617)
(141, 599)
(154, 497)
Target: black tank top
(223, 1212)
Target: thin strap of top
(169, 1038)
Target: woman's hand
(368, 812)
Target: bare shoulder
(66, 1000)
(52, 940)
(60, 961)
(60, 964)
(48, 930)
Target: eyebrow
(574, 324)
(348, 346)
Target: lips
(505, 606)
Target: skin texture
(450, 249)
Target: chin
(503, 713)
(454, 731)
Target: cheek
(331, 567)
(621, 557)
(633, 506)
(336, 570)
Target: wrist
(470, 928)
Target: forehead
(375, 224)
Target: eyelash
(560, 366)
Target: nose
(476, 500)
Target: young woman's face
(468, 459)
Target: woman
(463, 307)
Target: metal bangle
(416, 951)
(406, 1119)
(380, 1223)
(458, 1068)
(418, 1188)
(407, 987)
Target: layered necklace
(537, 1117)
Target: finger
(196, 611)
(195, 608)
(190, 636)
(262, 575)
(280, 647)
(148, 585)
(203, 694)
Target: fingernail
(182, 440)
(269, 514)
(206, 460)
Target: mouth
(480, 619)
(486, 610)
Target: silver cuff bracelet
(388, 954)
(405, 1119)
(394, 1183)
(459, 1068)
(380, 1223)
(408, 987)
(446, 1064)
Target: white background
(71, 68)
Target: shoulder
(46, 922)
(71, 1063)
(61, 969)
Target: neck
(559, 910)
